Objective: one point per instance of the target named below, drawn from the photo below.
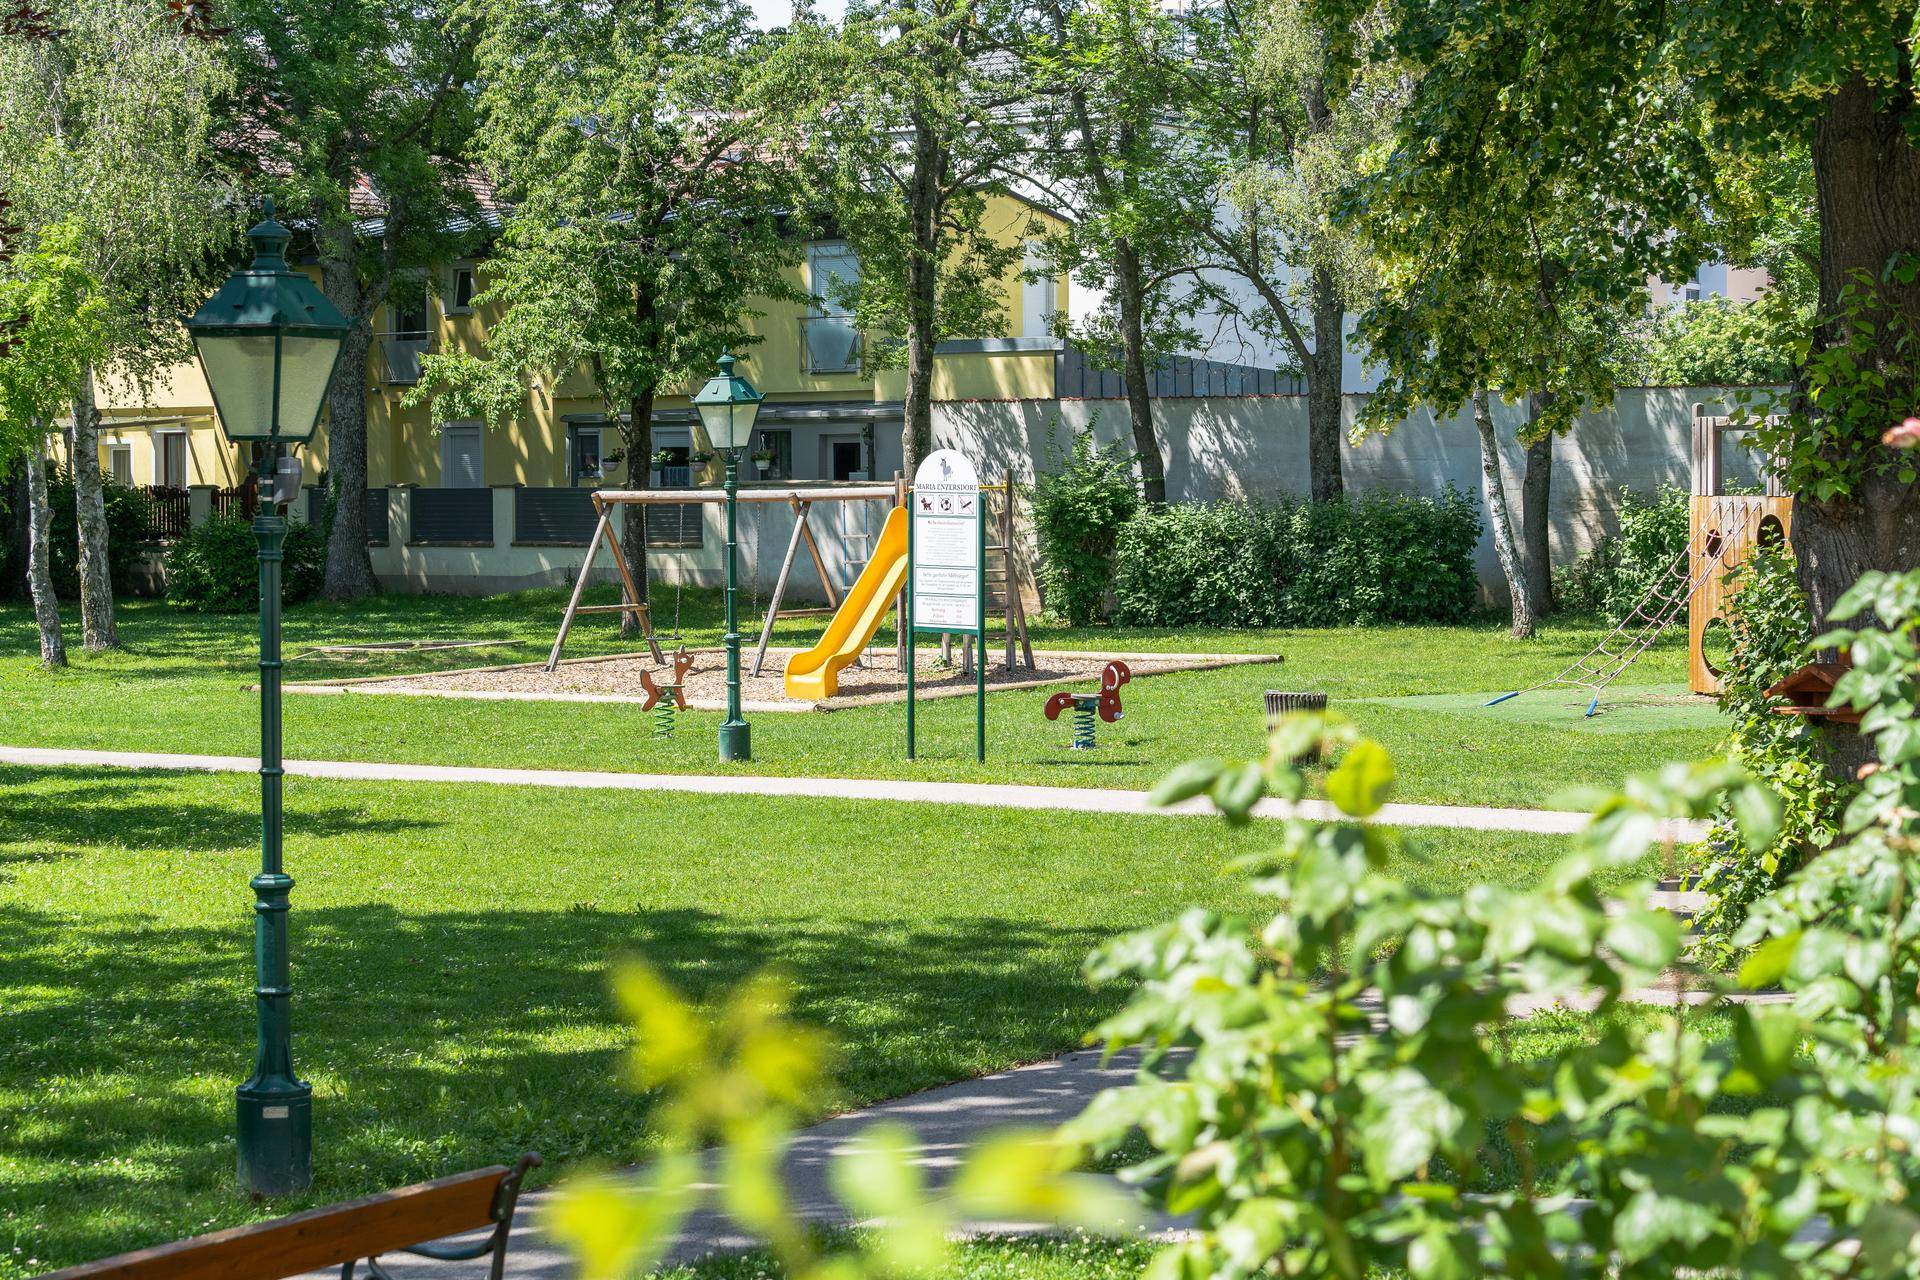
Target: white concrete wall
(764, 530)
(1256, 447)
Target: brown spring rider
(664, 699)
(1105, 704)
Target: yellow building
(825, 416)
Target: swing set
(1004, 584)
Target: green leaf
(1650, 1221)
(1361, 783)
(1769, 961)
(1648, 939)
(1186, 781)
(1238, 790)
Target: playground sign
(947, 582)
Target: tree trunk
(1493, 495)
(637, 440)
(1324, 370)
(46, 610)
(1133, 353)
(349, 574)
(98, 631)
(1867, 176)
(1536, 525)
(923, 283)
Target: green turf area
(1635, 709)
(1019, 1258)
(181, 686)
(450, 944)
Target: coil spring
(1083, 725)
(663, 712)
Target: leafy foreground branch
(1331, 1091)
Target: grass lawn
(181, 686)
(450, 944)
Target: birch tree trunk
(46, 610)
(1493, 494)
(90, 516)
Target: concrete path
(1003, 796)
(947, 1119)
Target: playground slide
(815, 674)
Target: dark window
(410, 319)
(583, 456)
(780, 445)
(463, 289)
(845, 459)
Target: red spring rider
(1105, 704)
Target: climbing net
(1655, 611)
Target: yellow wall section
(404, 448)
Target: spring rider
(665, 699)
(1105, 704)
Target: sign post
(947, 581)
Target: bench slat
(317, 1238)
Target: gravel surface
(879, 681)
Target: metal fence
(451, 517)
(169, 513)
(553, 517)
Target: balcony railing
(402, 351)
(829, 344)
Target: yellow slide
(815, 674)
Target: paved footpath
(1003, 796)
(947, 1120)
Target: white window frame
(447, 304)
(826, 308)
(116, 451)
(1039, 298)
(460, 431)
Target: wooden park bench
(339, 1235)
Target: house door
(460, 466)
(170, 459)
(841, 457)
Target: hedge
(1354, 561)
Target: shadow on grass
(438, 1039)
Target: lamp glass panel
(239, 371)
(306, 367)
(724, 425)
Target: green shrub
(1616, 572)
(1375, 559)
(215, 568)
(1078, 510)
(1767, 630)
(127, 523)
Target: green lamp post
(268, 342)
(728, 405)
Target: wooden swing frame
(801, 499)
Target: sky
(775, 13)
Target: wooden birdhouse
(1806, 692)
